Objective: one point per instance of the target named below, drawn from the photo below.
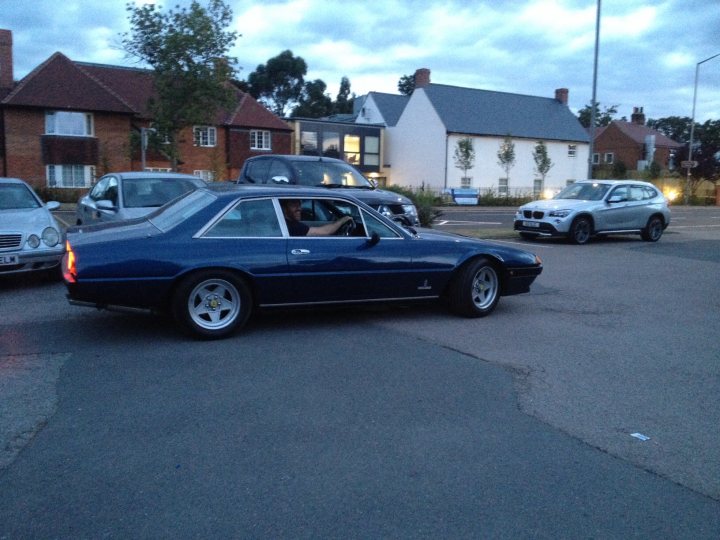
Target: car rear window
(170, 216)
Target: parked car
(214, 256)
(127, 195)
(331, 173)
(597, 207)
(30, 237)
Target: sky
(648, 54)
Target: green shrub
(424, 200)
(62, 195)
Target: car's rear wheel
(212, 304)
(580, 230)
(475, 290)
(653, 230)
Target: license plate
(8, 259)
(531, 224)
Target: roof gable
(391, 106)
(638, 132)
(250, 113)
(59, 83)
(485, 112)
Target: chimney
(561, 94)
(422, 77)
(6, 59)
(638, 116)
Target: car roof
(7, 180)
(293, 157)
(228, 191)
(612, 182)
(149, 174)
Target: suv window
(257, 171)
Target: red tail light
(68, 264)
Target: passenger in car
(292, 211)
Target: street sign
(688, 164)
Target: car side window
(636, 193)
(106, 190)
(248, 219)
(257, 171)
(621, 192)
(374, 225)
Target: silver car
(597, 207)
(30, 237)
(128, 195)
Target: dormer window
(77, 124)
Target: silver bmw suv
(597, 207)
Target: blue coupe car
(214, 256)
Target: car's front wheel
(475, 290)
(653, 230)
(580, 230)
(212, 304)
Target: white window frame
(596, 158)
(260, 139)
(68, 123)
(572, 150)
(503, 187)
(609, 158)
(69, 176)
(207, 175)
(205, 136)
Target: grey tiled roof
(484, 112)
(391, 106)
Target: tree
(506, 156)
(344, 101)
(464, 155)
(543, 163)
(601, 118)
(314, 102)
(279, 84)
(676, 128)
(406, 85)
(187, 50)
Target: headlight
(33, 241)
(560, 213)
(410, 209)
(50, 236)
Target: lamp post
(144, 142)
(692, 128)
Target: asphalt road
(587, 408)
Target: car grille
(534, 214)
(10, 241)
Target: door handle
(300, 251)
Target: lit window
(69, 123)
(260, 140)
(205, 136)
(351, 148)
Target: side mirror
(616, 199)
(52, 205)
(281, 179)
(374, 239)
(104, 204)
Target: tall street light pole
(593, 104)
(692, 129)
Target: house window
(208, 176)
(260, 140)
(69, 123)
(596, 159)
(371, 157)
(331, 144)
(537, 187)
(609, 158)
(466, 182)
(572, 150)
(205, 136)
(503, 187)
(158, 169)
(351, 148)
(70, 176)
(309, 143)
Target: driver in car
(292, 212)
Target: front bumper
(30, 261)
(540, 228)
(518, 280)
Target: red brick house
(67, 123)
(635, 145)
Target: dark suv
(290, 170)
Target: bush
(62, 195)
(424, 200)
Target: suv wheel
(653, 230)
(580, 230)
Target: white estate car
(596, 207)
(30, 237)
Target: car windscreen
(329, 174)
(171, 215)
(584, 192)
(16, 196)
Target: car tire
(475, 290)
(653, 230)
(580, 230)
(212, 304)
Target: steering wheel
(347, 228)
